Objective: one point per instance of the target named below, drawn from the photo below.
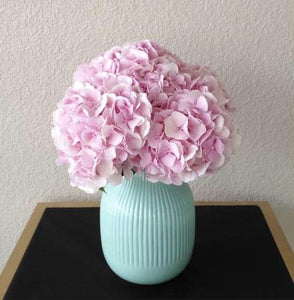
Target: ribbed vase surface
(147, 229)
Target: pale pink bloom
(139, 108)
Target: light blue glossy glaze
(147, 229)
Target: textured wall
(249, 43)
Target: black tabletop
(235, 257)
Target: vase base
(151, 275)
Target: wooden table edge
(20, 248)
(27, 234)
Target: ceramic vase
(147, 229)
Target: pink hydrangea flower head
(138, 108)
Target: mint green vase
(147, 229)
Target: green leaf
(102, 189)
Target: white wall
(249, 43)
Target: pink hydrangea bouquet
(140, 109)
